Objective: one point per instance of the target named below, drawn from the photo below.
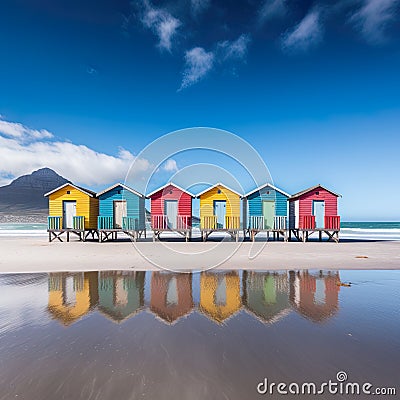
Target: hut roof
(166, 185)
(265, 185)
(313, 188)
(81, 189)
(123, 186)
(216, 185)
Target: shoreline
(29, 255)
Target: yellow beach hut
(219, 211)
(220, 295)
(72, 209)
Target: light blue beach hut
(266, 209)
(121, 209)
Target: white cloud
(170, 166)
(305, 35)
(162, 23)
(198, 63)
(199, 6)
(78, 163)
(22, 132)
(272, 9)
(236, 49)
(373, 17)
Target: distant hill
(26, 193)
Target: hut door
(268, 214)
(119, 213)
(69, 212)
(171, 211)
(319, 213)
(220, 212)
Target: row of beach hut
(119, 208)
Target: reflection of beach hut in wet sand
(121, 209)
(121, 294)
(265, 209)
(171, 211)
(72, 209)
(315, 296)
(171, 295)
(219, 211)
(314, 210)
(220, 295)
(72, 295)
(266, 295)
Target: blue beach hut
(121, 209)
(266, 209)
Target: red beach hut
(314, 209)
(171, 210)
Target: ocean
(349, 230)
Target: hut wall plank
(231, 198)
(134, 204)
(86, 206)
(171, 193)
(267, 194)
(305, 203)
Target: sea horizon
(350, 230)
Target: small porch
(209, 224)
(163, 223)
(307, 227)
(57, 231)
(259, 224)
(108, 230)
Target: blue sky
(313, 86)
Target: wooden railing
(54, 223)
(232, 222)
(332, 222)
(307, 222)
(159, 222)
(105, 222)
(256, 222)
(280, 222)
(208, 222)
(78, 223)
(259, 223)
(130, 223)
(183, 222)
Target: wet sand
(38, 255)
(130, 335)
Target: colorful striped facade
(304, 206)
(86, 207)
(134, 208)
(261, 201)
(161, 198)
(230, 216)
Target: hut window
(219, 191)
(170, 192)
(317, 193)
(68, 192)
(267, 191)
(119, 192)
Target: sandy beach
(38, 255)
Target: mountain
(26, 193)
